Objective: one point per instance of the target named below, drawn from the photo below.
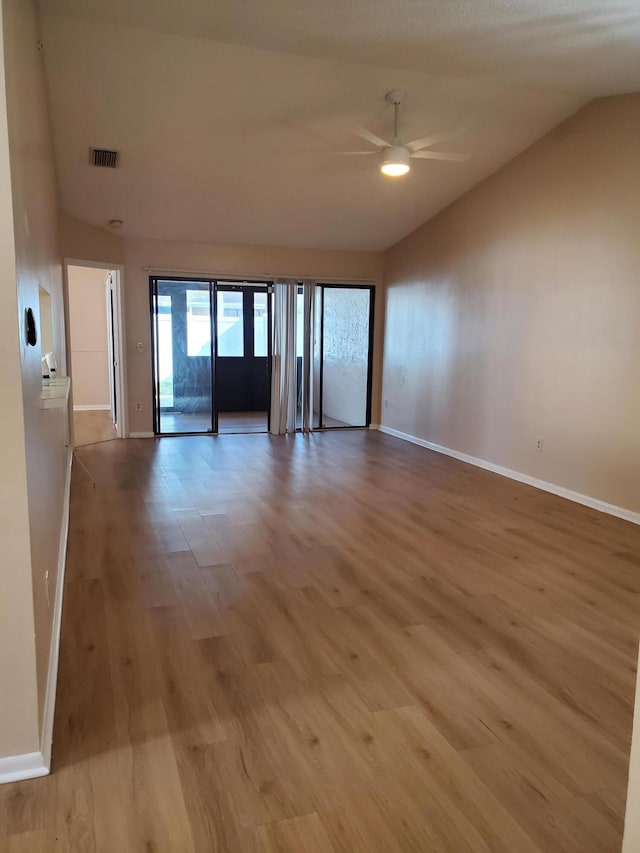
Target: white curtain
(309, 293)
(283, 366)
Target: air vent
(104, 157)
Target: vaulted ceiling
(227, 114)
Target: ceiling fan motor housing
(395, 160)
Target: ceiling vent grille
(104, 157)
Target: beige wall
(29, 434)
(18, 708)
(515, 314)
(249, 261)
(81, 241)
(88, 339)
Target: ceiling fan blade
(440, 155)
(372, 138)
(428, 141)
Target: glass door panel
(346, 320)
(242, 360)
(260, 324)
(182, 358)
(230, 316)
(165, 351)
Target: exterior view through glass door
(205, 382)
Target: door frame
(119, 355)
(213, 283)
(111, 345)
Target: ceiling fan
(397, 154)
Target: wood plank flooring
(93, 427)
(339, 643)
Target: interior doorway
(95, 346)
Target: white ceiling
(227, 112)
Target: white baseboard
(92, 408)
(577, 497)
(48, 713)
(141, 435)
(14, 768)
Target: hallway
(339, 642)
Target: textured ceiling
(589, 45)
(226, 112)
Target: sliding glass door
(183, 354)
(212, 354)
(343, 352)
(242, 374)
(206, 382)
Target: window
(198, 323)
(230, 323)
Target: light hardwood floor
(337, 643)
(92, 427)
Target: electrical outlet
(539, 445)
(140, 346)
(138, 407)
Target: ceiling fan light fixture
(395, 161)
